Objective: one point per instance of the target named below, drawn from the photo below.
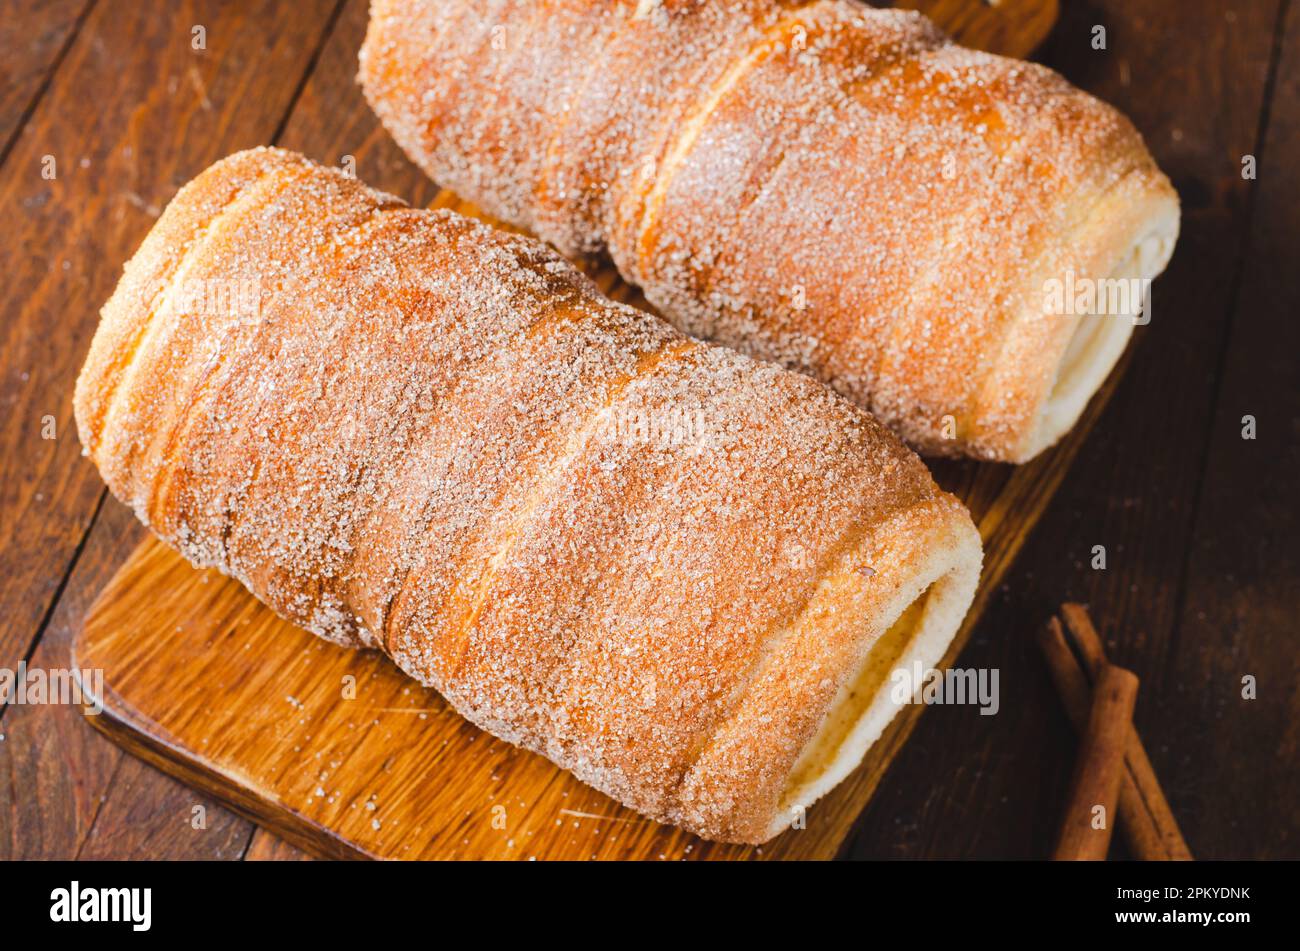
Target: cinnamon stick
(1141, 774)
(1139, 828)
(1085, 638)
(1071, 683)
(1094, 801)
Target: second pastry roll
(957, 241)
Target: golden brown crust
(598, 538)
(836, 189)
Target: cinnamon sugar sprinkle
(407, 447)
(837, 189)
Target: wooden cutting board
(343, 755)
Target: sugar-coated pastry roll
(928, 229)
(681, 574)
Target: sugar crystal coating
(836, 189)
(593, 534)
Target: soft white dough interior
(864, 706)
(1099, 340)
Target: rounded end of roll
(1098, 333)
(915, 629)
(893, 599)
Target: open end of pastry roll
(921, 622)
(1099, 339)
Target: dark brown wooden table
(107, 107)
